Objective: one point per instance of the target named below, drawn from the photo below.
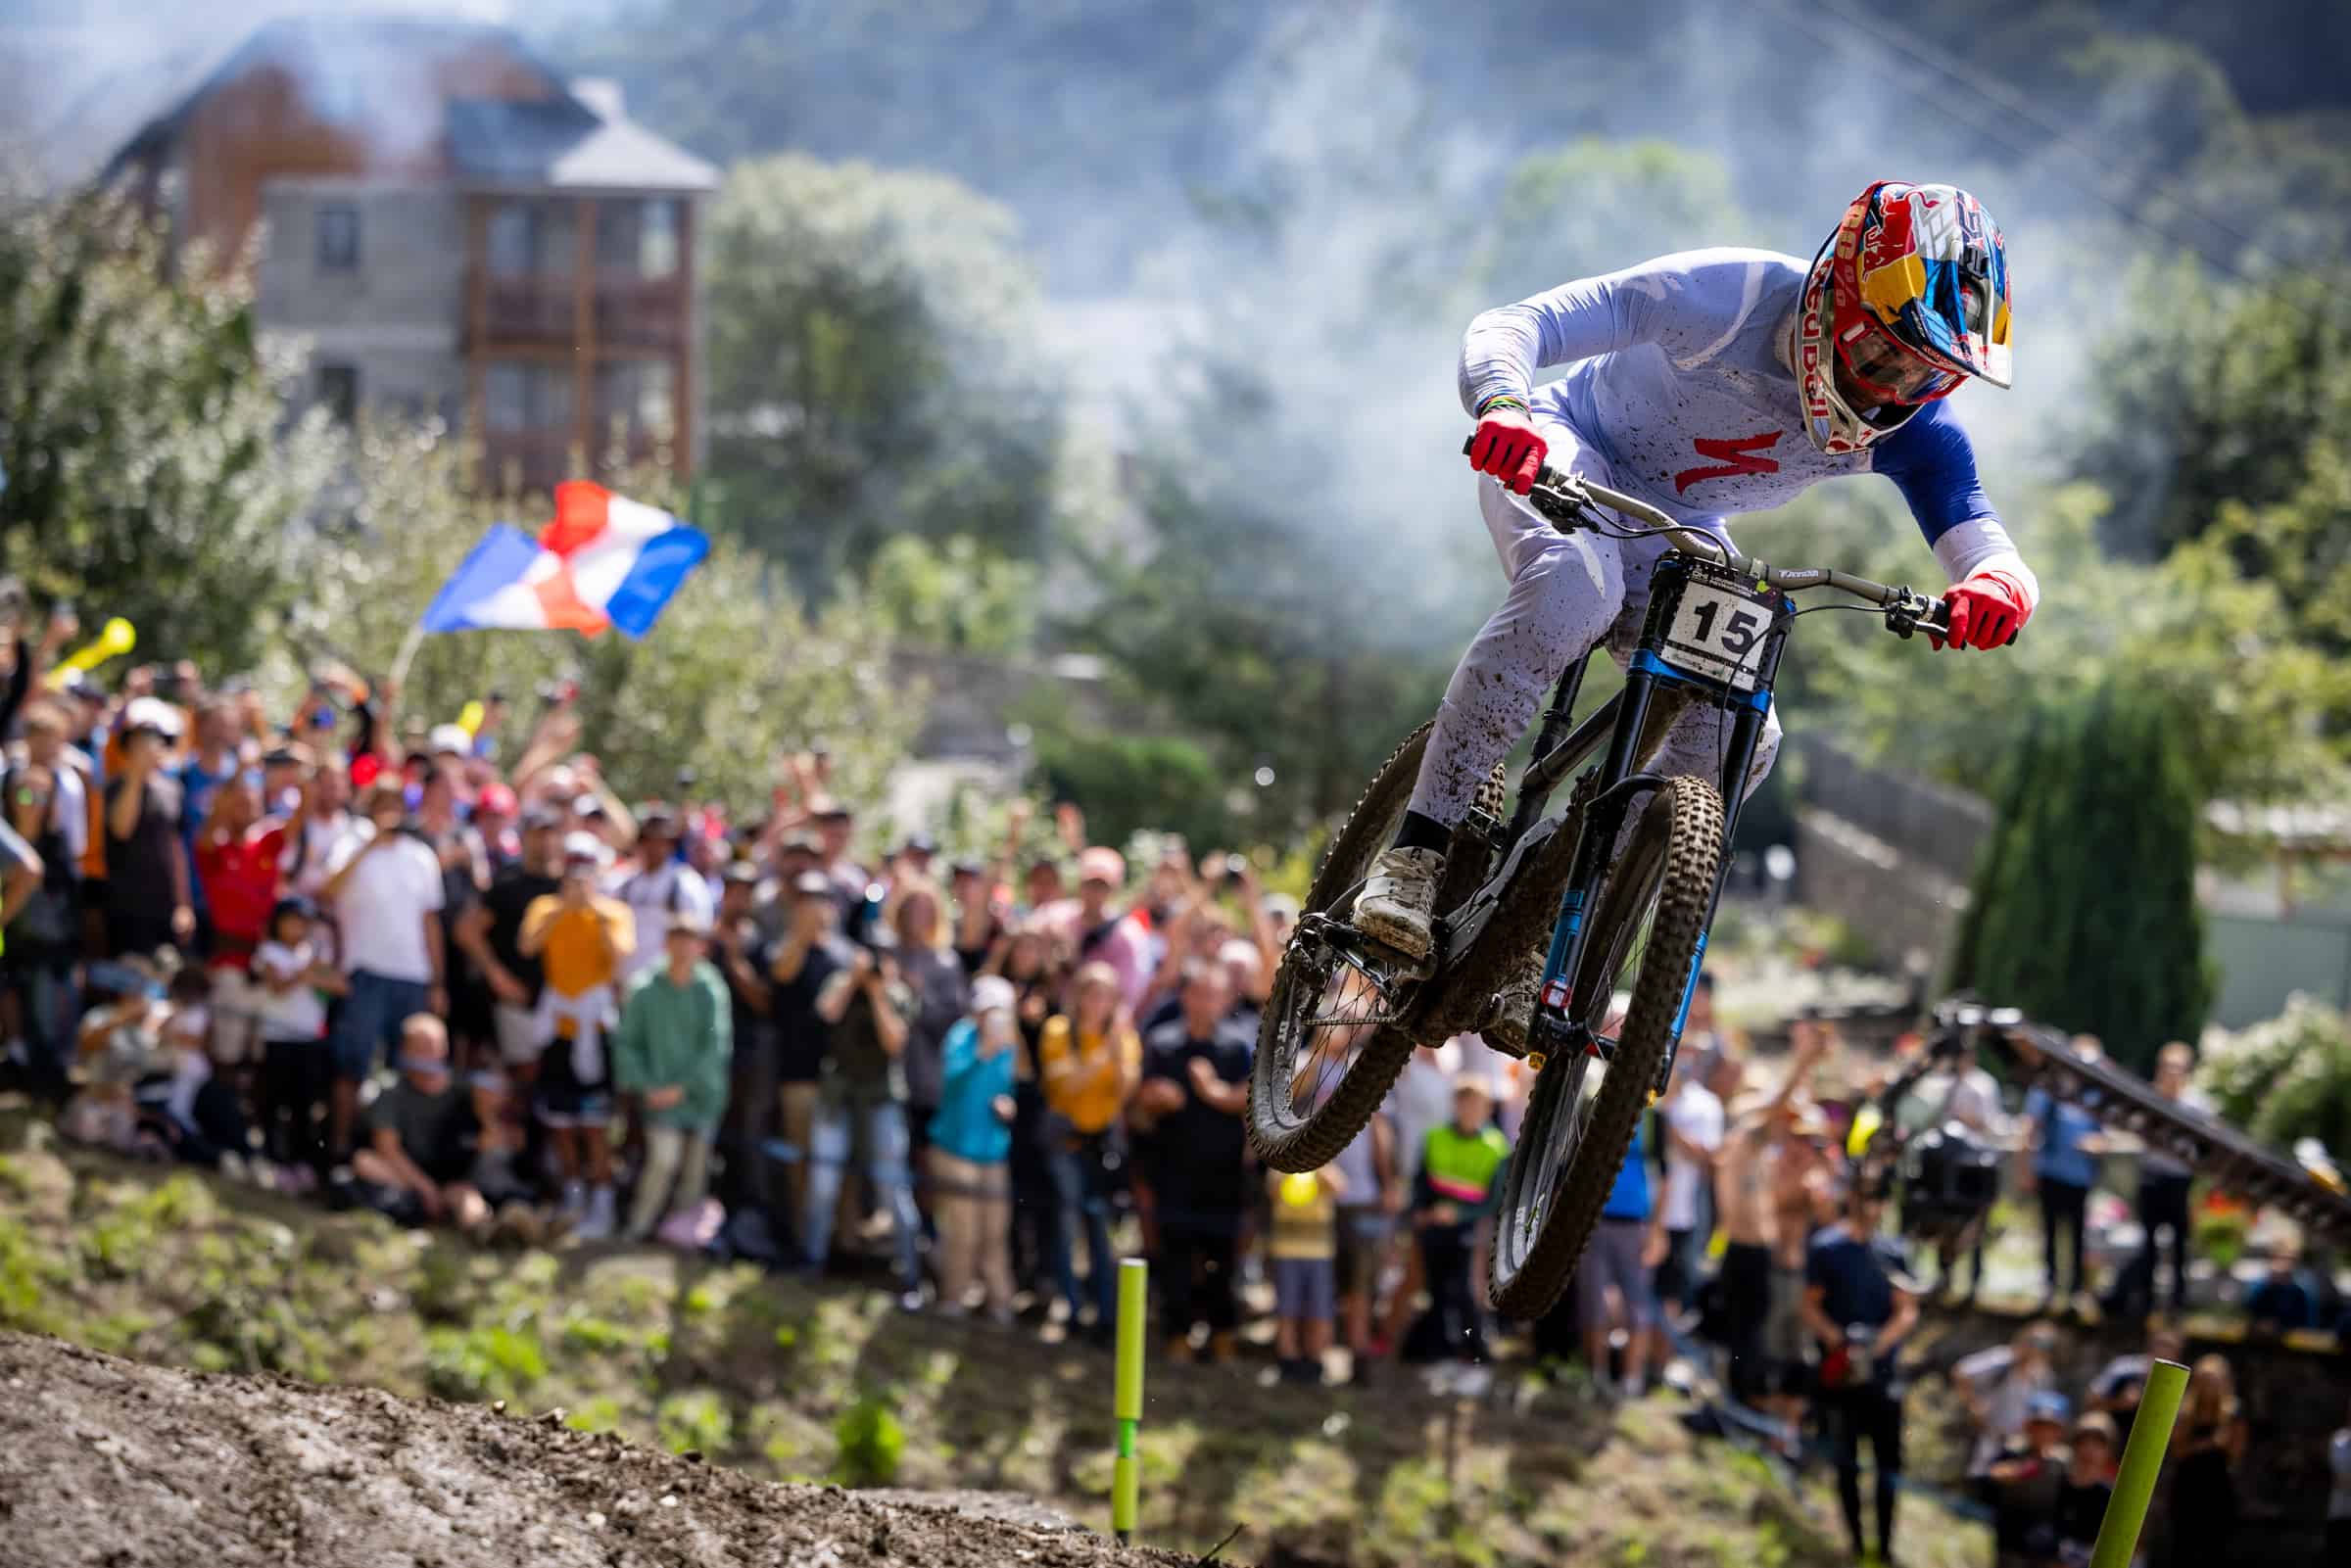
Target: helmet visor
(1890, 373)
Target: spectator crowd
(445, 973)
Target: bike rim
(1330, 1001)
(1565, 1092)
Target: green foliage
(954, 595)
(2217, 399)
(2083, 911)
(697, 1419)
(868, 1440)
(1128, 783)
(148, 475)
(1596, 205)
(483, 1363)
(2286, 1078)
(735, 671)
(874, 366)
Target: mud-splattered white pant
(1567, 593)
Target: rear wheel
(1646, 927)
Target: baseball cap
(741, 871)
(2049, 1405)
(920, 845)
(832, 811)
(541, 817)
(584, 846)
(1102, 864)
(451, 737)
(689, 919)
(813, 885)
(656, 815)
(152, 715)
(496, 800)
(992, 994)
(586, 806)
(800, 844)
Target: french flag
(605, 561)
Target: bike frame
(1655, 686)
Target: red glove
(1988, 609)
(1509, 446)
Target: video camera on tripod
(1949, 1173)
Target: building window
(338, 237)
(520, 395)
(637, 239)
(530, 238)
(339, 391)
(658, 247)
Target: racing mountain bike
(1623, 879)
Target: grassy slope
(785, 1382)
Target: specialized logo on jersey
(1734, 456)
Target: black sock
(1422, 832)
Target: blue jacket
(966, 1124)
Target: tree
(148, 475)
(2216, 396)
(733, 672)
(955, 594)
(1595, 205)
(2083, 911)
(874, 367)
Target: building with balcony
(459, 232)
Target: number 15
(1738, 632)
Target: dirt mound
(116, 1462)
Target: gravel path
(110, 1462)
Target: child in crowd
(1304, 1245)
(2089, 1486)
(292, 977)
(1366, 1225)
(971, 1151)
(580, 939)
(120, 1042)
(195, 1111)
(2025, 1482)
(673, 1046)
(1460, 1172)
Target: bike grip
(1545, 475)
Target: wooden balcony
(624, 311)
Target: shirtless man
(1744, 1196)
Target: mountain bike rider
(1691, 378)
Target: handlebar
(1565, 498)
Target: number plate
(1718, 630)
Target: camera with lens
(1950, 1176)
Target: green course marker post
(2143, 1462)
(1127, 1401)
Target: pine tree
(2083, 911)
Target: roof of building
(566, 144)
(577, 138)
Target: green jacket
(681, 1034)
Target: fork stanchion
(2142, 1462)
(1126, 1399)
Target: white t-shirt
(311, 843)
(295, 1014)
(1696, 1112)
(382, 907)
(651, 896)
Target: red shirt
(240, 889)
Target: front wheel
(1330, 1047)
(1645, 931)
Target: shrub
(869, 1442)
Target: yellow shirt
(582, 947)
(1305, 1215)
(1084, 1083)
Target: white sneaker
(1399, 901)
(601, 1220)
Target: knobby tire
(1675, 849)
